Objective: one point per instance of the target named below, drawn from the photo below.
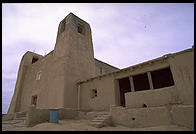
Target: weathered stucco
(105, 94)
(182, 66)
(72, 60)
(108, 88)
(155, 97)
(69, 78)
(141, 117)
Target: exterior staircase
(103, 119)
(20, 117)
(18, 121)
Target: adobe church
(156, 92)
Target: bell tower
(74, 46)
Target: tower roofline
(71, 14)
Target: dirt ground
(83, 125)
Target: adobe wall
(155, 97)
(35, 116)
(140, 117)
(105, 94)
(76, 50)
(109, 94)
(103, 68)
(15, 105)
(71, 60)
(49, 86)
(182, 67)
(182, 115)
(68, 113)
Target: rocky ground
(83, 125)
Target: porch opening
(124, 86)
(141, 82)
(162, 78)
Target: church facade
(70, 77)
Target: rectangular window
(101, 72)
(141, 82)
(34, 100)
(94, 93)
(38, 76)
(162, 78)
(81, 29)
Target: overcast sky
(123, 34)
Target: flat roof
(140, 65)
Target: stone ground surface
(83, 125)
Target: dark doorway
(125, 86)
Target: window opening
(141, 82)
(162, 78)
(101, 71)
(34, 100)
(80, 29)
(38, 76)
(34, 59)
(144, 105)
(94, 93)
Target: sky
(124, 34)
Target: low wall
(35, 116)
(152, 98)
(65, 113)
(140, 117)
(183, 115)
(90, 115)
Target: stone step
(97, 124)
(108, 115)
(20, 118)
(19, 124)
(11, 121)
(20, 114)
(98, 120)
(103, 119)
(104, 113)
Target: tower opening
(34, 59)
(80, 29)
